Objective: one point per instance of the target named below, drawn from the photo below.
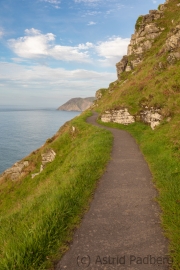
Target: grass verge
(38, 215)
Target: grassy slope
(152, 86)
(38, 215)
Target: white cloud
(33, 45)
(112, 50)
(37, 45)
(92, 13)
(68, 53)
(1, 32)
(86, 1)
(41, 85)
(53, 2)
(91, 23)
(87, 45)
(25, 74)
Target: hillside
(77, 104)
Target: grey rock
(121, 116)
(121, 66)
(173, 40)
(151, 116)
(141, 41)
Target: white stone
(121, 116)
(34, 174)
(152, 117)
(128, 68)
(26, 163)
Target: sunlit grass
(38, 215)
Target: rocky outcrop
(121, 66)
(121, 116)
(16, 171)
(99, 93)
(172, 45)
(47, 157)
(77, 104)
(146, 31)
(144, 36)
(150, 116)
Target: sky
(54, 50)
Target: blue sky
(53, 50)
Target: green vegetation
(38, 215)
(138, 22)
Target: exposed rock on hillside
(16, 171)
(77, 104)
(149, 116)
(146, 31)
(121, 116)
(99, 93)
(172, 45)
(47, 157)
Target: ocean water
(23, 131)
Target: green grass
(163, 160)
(38, 215)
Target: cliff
(77, 104)
(148, 84)
(148, 28)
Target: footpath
(122, 228)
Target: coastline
(29, 131)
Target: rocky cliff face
(77, 104)
(146, 31)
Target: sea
(24, 130)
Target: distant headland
(77, 104)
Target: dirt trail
(122, 228)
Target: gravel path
(122, 228)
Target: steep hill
(77, 104)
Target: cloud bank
(35, 45)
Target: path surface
(122, 228)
